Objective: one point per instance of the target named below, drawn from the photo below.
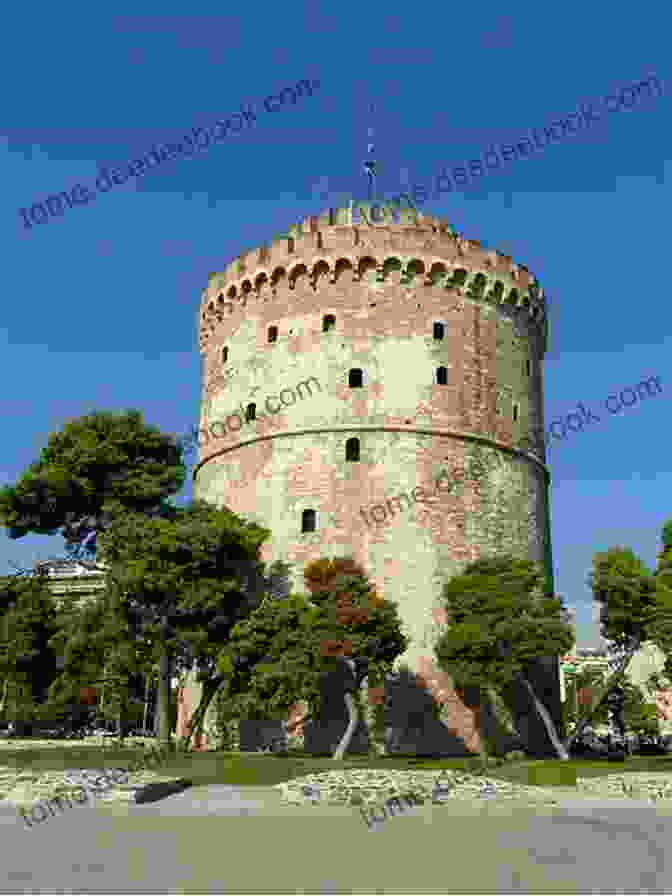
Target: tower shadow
(544, 677)
(324, 733)
(412, 723)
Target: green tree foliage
(278, 655)
(95, 467)
(629, 599)
(500, 618)
(101, 482)
(83, 655)
(660, 630)
(664, 565)
(580, 684)
(27, 662)
(626, 591)
(320, 577)
(267, 660)
(185, 581)
(639, 715)
(100, 645)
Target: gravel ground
(636, 785)
(21, 743)
(363, 787)
(352, 787)
(23, 787)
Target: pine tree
(186, 581)
(97, 466)
(627, 592)
(28, 619)
(288, 651)
(500, 619)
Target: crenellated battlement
(399, 244)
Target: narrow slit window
(225, 355)
(439, 331)
(527, 368)
(441, 376)
(251, 412)
(515, 412)
(355, 378)
(352, 450)
(272, 334)
(308, 521)
(328, 323)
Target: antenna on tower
(370, 163)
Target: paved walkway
(245, 840)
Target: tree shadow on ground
(159, 790)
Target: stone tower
(414, 438)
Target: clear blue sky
(100, 305)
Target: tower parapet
(419, 249)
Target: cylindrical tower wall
(397, 367)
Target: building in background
(582, 658)
(649, 660)
(71, 581)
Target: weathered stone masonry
(388, 286)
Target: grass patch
(246, 769)
(523, 772)
(268, 769)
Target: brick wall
(483, 429)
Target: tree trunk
(547, 720)
(297, 741)
(102, 694)
(144, 716)
(210, 688)
(369, 716)
(163, 695)
(616, 720)
(611, 681)
(350, 730)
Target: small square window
(352, 450)
(308, 521)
